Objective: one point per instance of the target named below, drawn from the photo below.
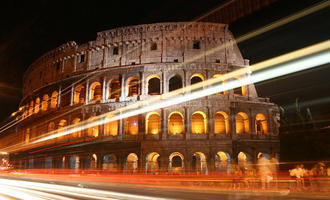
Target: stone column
(164, 128)
(72, 95)
(187, 124)
(87, 92)
(104, 90)
(59, 96)
(122, 96)
(164, 89)
(210, 123)
(105, 56)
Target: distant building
(73, 83)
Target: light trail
(299, 60)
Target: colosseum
(123, 66)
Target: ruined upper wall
(133, 45)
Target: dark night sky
(30, 28)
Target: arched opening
(176, 163)
(199, 163)
(31, 108)
(92, 131)
(77, 133)
(37, 105)
(53, 100)
(263, 154)
(261, 124)
(220, 81)
(109, 162)
(111, 128)
(221, 123)
(196, 78)
(175, 83)
(114, 89)
(132, 125)
(131, 164)
(198, 123)
(240, 91)
(152, 123)
(154, 85)
(222, 162)
(93, 161)
(79, 94)
(242, 123)
(61, 128)
(152, 162)
(175, 123)
(133, 86)
(243, 160)
(74, 162)
(95, 91)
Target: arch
(132, 125)
(198, 123)
(131, 164)
(261, 124)
(74, 162)
(153, 85)
(79, 94)
(31, 108)
(222, 162)
(53, 100)
(44, 103)
(196, 78)
(242, 123)
(240, 91)
(111, 128)
(114, 89)
(263, 154)
(93, 161)
(175, 123)
(75, 121)
(221, 123)
(109, 162)
(220, 80)
(176, 164)
(199, 163)
(175, 83)
(95, 91)
(132, 86)
(152, 162)
(92, 131)
(243, 160)
(37, 105)
(153, 123)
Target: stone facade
(74, 83)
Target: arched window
(261, 124)
(133, 86)
(131, 162)
(196, 78)
(153, 163)
(95, 91)
(44, 104)
(114, 89)
(175, 83)
(198, 163)
(53, 101)
(175, 123)
(240, 91)
(79, 94)
(93, 161)
(37, 105)
(77, 133)
(176, 162)
(111, 128)
(154, 85)
(219, 80)
(92, 131)
(242, 123)
(31, 108)
(132, 125)
(198, 123)
(222, 162)
(221, 123)
(243, 160)
(153, 123)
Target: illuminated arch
(44, 104)
(242, 123)
(92, 131)
(174, 83)
(31, 108)
(175, 123)
(93, 161)
(221, 123)
(95, 91)
(132, 85)
(114, 89)
(152, 162)
(79, 94)
(176, 164)
(153, 85)
(53, 99)
(111, 128)
(199, 163)
(75, 121)
(243, 160)
(131, 164)
(198, 123)
(132, 125)
(222, 162)
(37, 105)
(220, 78)
(196, 78)
(153, 123)
(261, 124)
